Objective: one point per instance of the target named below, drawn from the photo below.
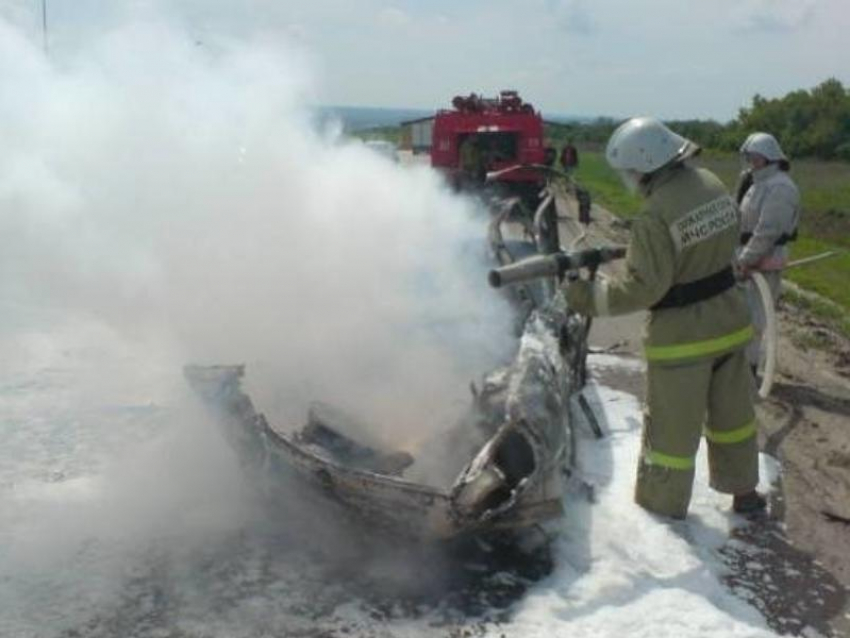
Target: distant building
(416, 135)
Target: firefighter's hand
(579, 296)
(742, 271)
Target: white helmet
(643, 145)
(765, 145)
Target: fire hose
(769, 335)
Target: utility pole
(44, 23)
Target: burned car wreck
(521, 413)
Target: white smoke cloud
(166, 202)
(179, 190)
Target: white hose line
(582, 236)
(538, 215)
(809, 260)
(769, 337)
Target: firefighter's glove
(579, 296)
(593, 258)
(742, 271)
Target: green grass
(829, 277)
(825, 225)
(387, 133)
(605, 186)
(830, 313)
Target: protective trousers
(710, 397)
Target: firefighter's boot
(749, 503)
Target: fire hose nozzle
(553, 265)
(536, 267)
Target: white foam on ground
(625, 572)
(72, 546)
(603, 361)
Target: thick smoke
(165, 201)
(180, 190)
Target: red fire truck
(506, 131)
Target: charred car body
(521, 412)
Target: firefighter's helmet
(763, 144)
(643, 145)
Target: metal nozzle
(554, 265)
(531, 268)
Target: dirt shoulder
(805, 425)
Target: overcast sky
(671, 58)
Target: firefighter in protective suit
(679, 266)
(770, 212)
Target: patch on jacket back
(704, 222)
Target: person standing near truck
(472, 162)
(679, 268)
(569, 157)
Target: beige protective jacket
(688, 231)
(770, 208)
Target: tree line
(813, 123)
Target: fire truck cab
(506, 131)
